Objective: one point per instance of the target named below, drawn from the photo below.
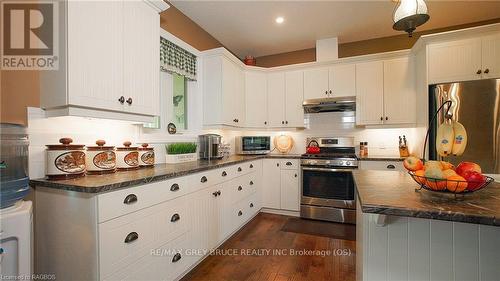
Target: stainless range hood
(330, 105)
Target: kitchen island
(404, 234)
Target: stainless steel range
(328, 191)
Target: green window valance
(174, 59)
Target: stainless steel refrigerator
(475, 105)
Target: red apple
(413, 163)
(474, 180)
(465, 167)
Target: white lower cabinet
(281, 184)
(148, 238)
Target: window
(179, 101)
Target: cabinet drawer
(382, 165)
(159, 263)
(289, 164)
(121, 202)
(175, 219)
(204, 179)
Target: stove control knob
(348, 163)
(341, 163)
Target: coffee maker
(210, 146)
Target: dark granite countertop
(393, 193)
(380, 158)
(159, 172)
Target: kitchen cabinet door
(294, 96)
(271, 187)
(491, 56)
(290, 190)
(369, 93)
(256, 99)
(95, 55)
(399, 92)
(233, 98)
(316, 83)
(455, 61)
(276, 99)
(141, 65)
(342, 80)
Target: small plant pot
(180, 158)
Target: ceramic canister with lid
(146, 155)
(65, 160)
(100, 159)
(127, 157)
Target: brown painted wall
(175, 22)
(19, 89)
(372, 46)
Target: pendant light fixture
(409, 14)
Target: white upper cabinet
(141, 75)
(276, 99)
(491, 56)
(316, 83)
(108, 62)
(399, 92)
(370, 93)
(329, 82)
(224, 92)
(342, 80)
(462, 60)
(385, 92)
(455, 61)
(255, 99)
(294, 95)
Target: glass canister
(100, 159)
(14, 181)
(65, 160)
(146, 155)
(127, 157)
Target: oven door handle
(326, 169)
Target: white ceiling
(248, 27)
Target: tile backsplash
(43, 131)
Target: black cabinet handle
(215, 193)
(277, 164)
(175, 218)
(265, 122)
(479, 71)
(129, 101)
(174, 187)
(130, 199)
(487, 70)
(282, 122)
(224, 173)
(386, 118)
(289, 163)
(390, 166)
(295, 175)
(131, 237)
(286, 122)
(326, 92)
(251, 166)
(218, 192)
(240, 213)
(381, 118)
(251, 182)
(330, 92)
(239, 169)
(235, 120)
(177, 257)
(204, 179)
(121, 99)
(251, 205)
(240, 188)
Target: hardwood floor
(265, 232)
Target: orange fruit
(456, 184)
(449, 173)
(419, 176)
(435, 184)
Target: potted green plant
(180, 152)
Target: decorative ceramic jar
(100, 159)
(65, 160)
(146, 155)
(127, 157)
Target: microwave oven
(253, 144)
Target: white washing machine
(16, 234)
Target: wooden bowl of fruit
(442, 176)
